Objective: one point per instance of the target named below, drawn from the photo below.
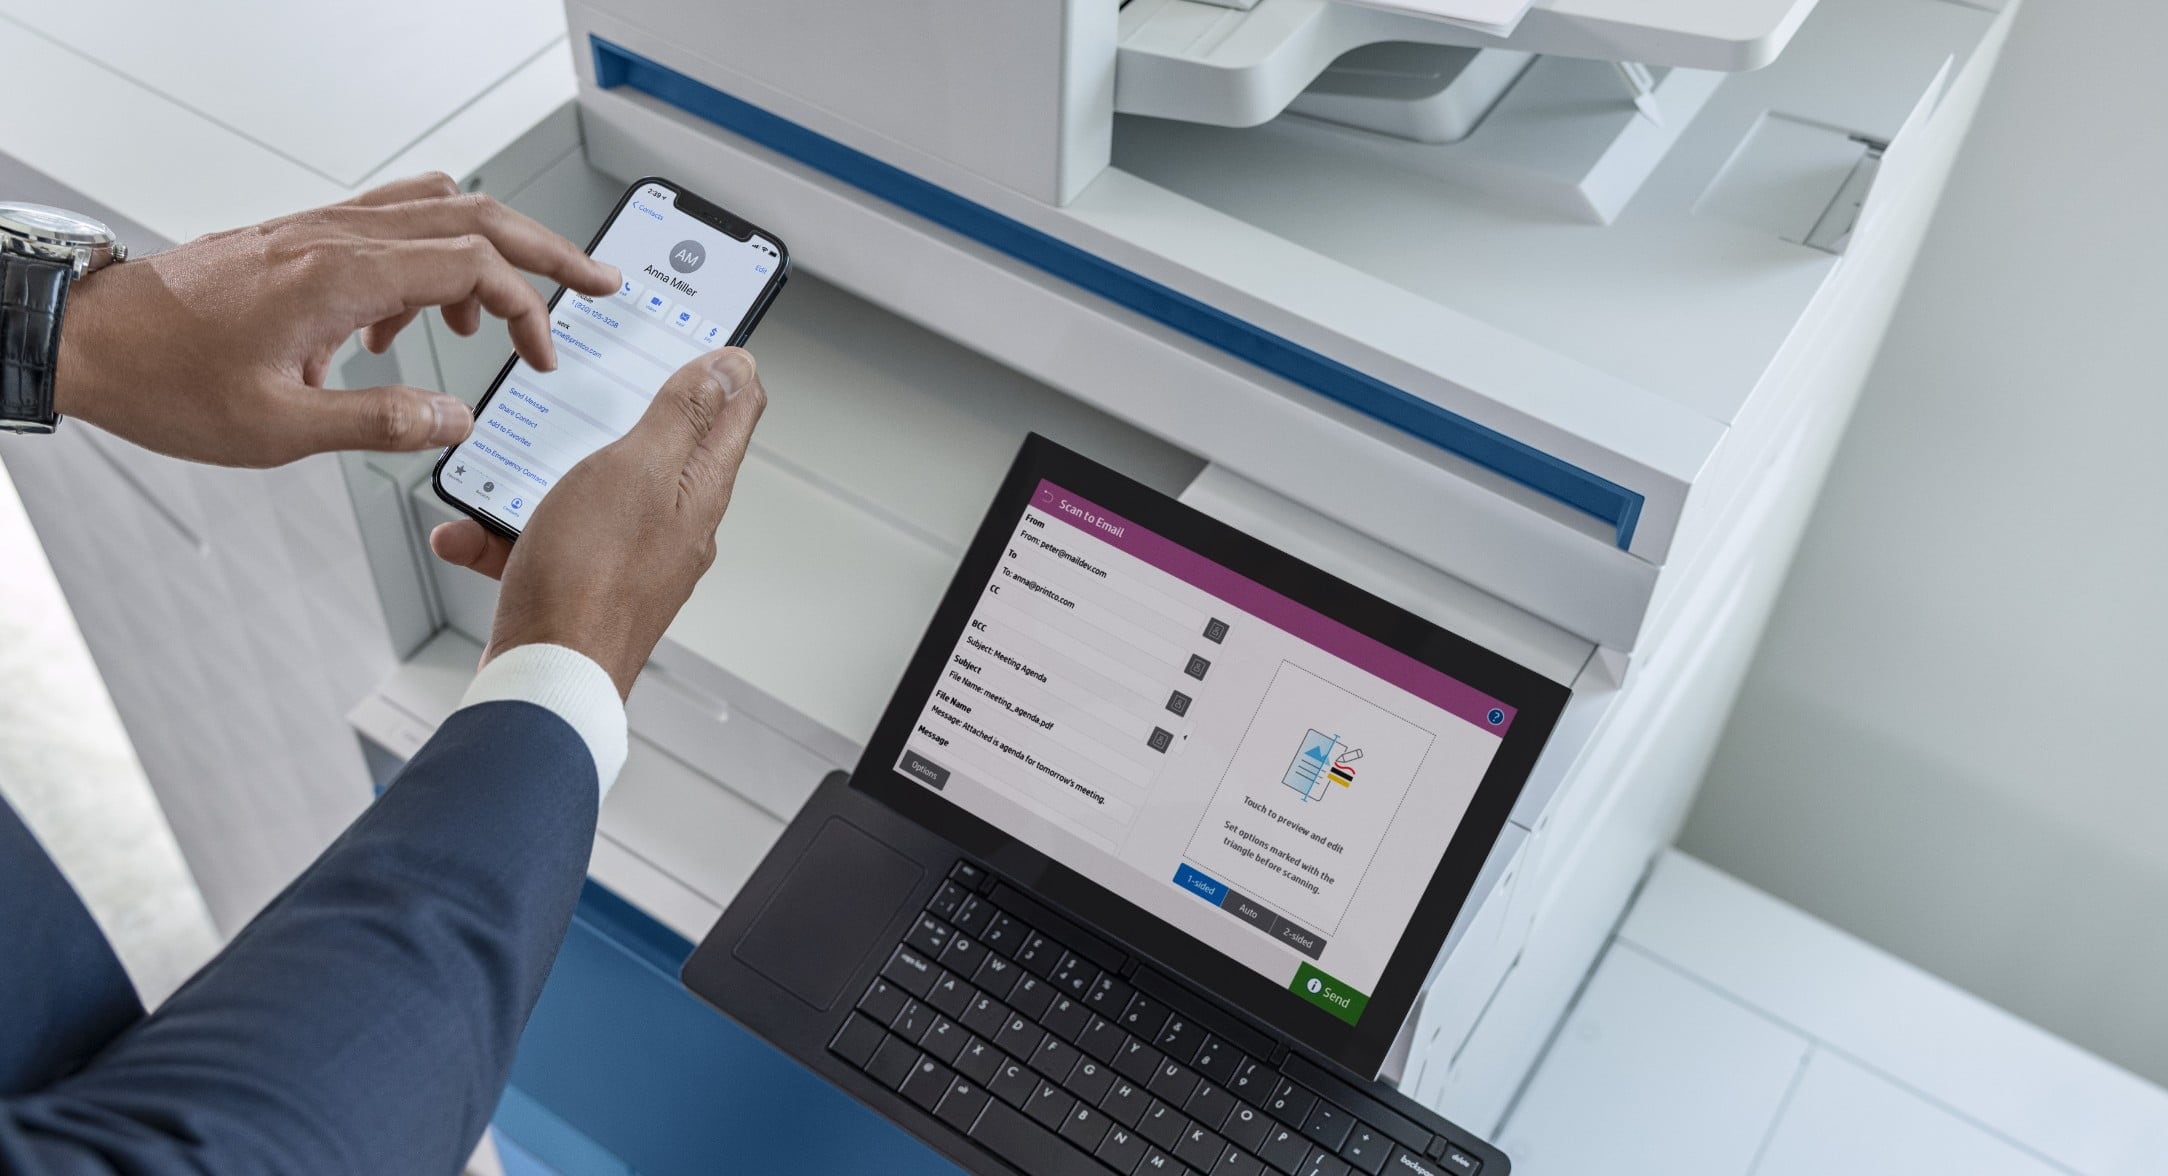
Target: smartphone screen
(696, 278)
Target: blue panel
(533, 1142)
(1197, 882)
(620, 1061)
(1523, 463)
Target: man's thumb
(691, 401)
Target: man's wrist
(75, 372)
(568, 684)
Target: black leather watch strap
(33, 294)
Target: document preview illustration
(1307, 798)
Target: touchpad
(823, 919)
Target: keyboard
(1046, 1048)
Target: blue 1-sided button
(1496, 716)
(1191, 879)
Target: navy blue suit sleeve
(63, 994)
(365, 1021)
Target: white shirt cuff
(568, 684)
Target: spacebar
(1029, 1147)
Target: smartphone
(696, 278)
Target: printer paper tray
(1204, 62)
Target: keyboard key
(1019, 1037)
(973, 914)
(1236, 1162)
(1246, 1127)
(1209, 1105)
(1366, 1149)
(1159, 1163)
(883, 999)
(1013, 1083)
(1328, 1125)
(1054, 1058)
(929, 935)
(996, 975)
(1252, 1082)
(1121, 1149)
(1218, 1060)
(1125, 1102)
(1199, 1147)
(944, 1039)
(1290, 1103)
(969, 876)
(1110, 996)
(1284, 1148)
(979, 1061)
(1180, 1038)
(1090, 1080)
(961, 954)
(856, 1041)
(1138, 1061)
(1029, 1147)
(1086, 1126)
(1458, 1161)
(1410, 1163)
(892, 1062)
(1075, 975)
(1039, 954)
(1049, 1105)
(951, 994)
(1163, 1124)
(929, 1080)
(1322, 1163)
(1360, 1105)
(1066, 1016)
(912, 1020)
(1144, 1017)
(1101, 1039)
(1174, 1082)
(1030, 996)
(960, 1107)
(912, 970)
(1004, 934)
(947, 899)
(985, 1016)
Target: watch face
(54, 226)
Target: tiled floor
(66, 766)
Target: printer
(1546, 334)
(1453, 314)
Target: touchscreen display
(1264, 778)
(688, 289)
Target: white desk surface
(190, 122)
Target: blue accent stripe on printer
(1590, 493)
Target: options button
(923, 770)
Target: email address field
(608, 332)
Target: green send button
(1328, 994)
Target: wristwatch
(42, 251)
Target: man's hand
(614, 550)
(216, 351)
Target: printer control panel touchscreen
(1255, 773)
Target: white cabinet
(1726, 1034)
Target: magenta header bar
(1366, 653)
